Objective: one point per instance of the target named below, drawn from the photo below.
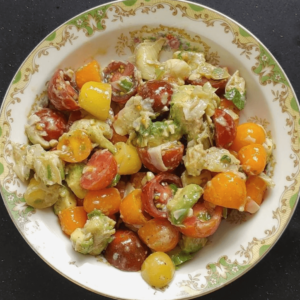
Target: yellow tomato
(127, 158)
(94, 97)
(158, 269)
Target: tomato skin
(52, 122)
(217, 84)
(171, 157)
(126, 252)
(153, 186)
(225, 128)
(196, 228)
(113, 72)
(61, 93)
(106, 200)
(136, 179)
(99, 171)
(73, 117)
(159, 235)
(158, 90)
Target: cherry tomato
(89, 72)
(225, 128)
(73, 117)
(226, 189)
(123, 79)
(61, 93)
(256, 188)
(159, 235)
(136, 179)
(52, 122)
(75, 146)
(72, 218)
(204, 221)
(156, 193)
(227, 104)
(99, 171)
(158, 90)
(158, 269)
(116, 138)
(247, 134)
(253, 158)
(126, 252)
(171, 154)
(106, 200)
(217, 84)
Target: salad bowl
(111, 32)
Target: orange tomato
(256, 188)
(247, 134)
(89, 72)
(159, 235)
(226, 189)
(253, 159)
(116, 138)
(131, 209)
(75, 146)
(107, 200)
(227, 104)
(72, 218)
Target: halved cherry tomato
(170, 153)
(131, 209)
(106, 200)
(75, 146)
(116, 138)
(159, 235)
(156, 193)
(72, 218)
(99, 171)
(126, 252)
(89, 72)
(225, 128)
(204, 221)
(61, 93)
(217, 84)
(52, 122)
(121, 186)
(136, 179)
(158, 90)
(123, 79)
(227, 104)
(73, 117)
(256, 188)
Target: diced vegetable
(89, 72)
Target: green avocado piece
(66, 200)
(184, 199)
(191, 245)
(73, 176)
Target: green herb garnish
(174, 188)
(49, 172)
(225, 159)
(115, 180)
(238, 99)
(126, 85)
(204, 216)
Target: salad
(142, 160)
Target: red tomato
(117, 71)
(217, 84)
(99, 171)
(52, 122)
(158, 90)
(171, 157)
(156, 193)
(204, 221)
(159, 235)
(61, 93)
(126, 252)
(73, 117)
(225, 128)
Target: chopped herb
(49, 172)
(218, 73)
(225, 159)
(174, 188)
(82, 147)
(225, 213)
(204, 216)
(126, 85)
(115, 180)
(238, 99)
(179, 56)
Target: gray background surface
(23, 24)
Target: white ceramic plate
(110, 32)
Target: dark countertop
(23, 24)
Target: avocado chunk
(180, 206)
(66, 200)
(73, 176)
(191, 245)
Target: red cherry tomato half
(160, 91)
(171, 156)
(99, 171)
(61, 93)
(217, 84)
(204, 221)
(123, 79)
(156, 193)
(126, 252)
(73, 117)
(52, 122)
(225, 128)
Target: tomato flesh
(217, 84)
(225, 128)
(99, 171)
(126, 252)
(52, 122)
